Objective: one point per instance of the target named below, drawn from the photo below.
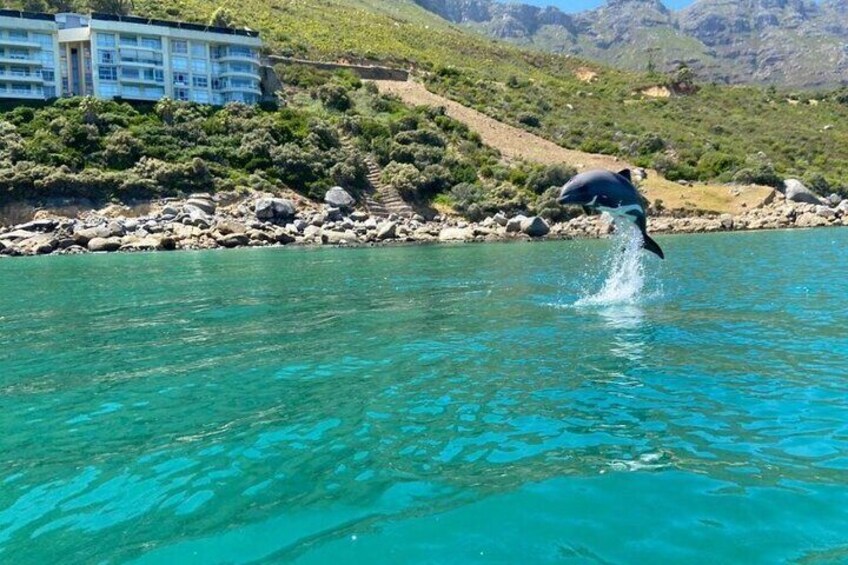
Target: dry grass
(515, 143)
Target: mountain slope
(799, 43)
(717, 133)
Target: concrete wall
(369, 72)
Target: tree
(682, 81)
(91, 108)
(222, 17)
(34, 6)
(116, 7)
(165, 109)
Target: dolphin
(613, 193)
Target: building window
(49, 91)
(242, 68)
(105, 39)
(129, 73)
(47, 59)
(200, 82)
(17, 35)
(43, 39)
(201, 96)
(198, 49)
(49, 76)
(151, 42)
(107, 90)
(159, 75)
(179, 63)
(181, 78)
(106, 57)
(19, 54)
(129, 40)
(107, 73)
(181, 93)
(199, 66)
(179, 47)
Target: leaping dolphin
(613, 193)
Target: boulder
(18, 235)
(169, 211)
(726, 221)
(514, 224)
(274, 209)
(834, 199)
(260, 236)
(456, 234)
(204, 204)
(387, 230)
(147, 243)
(535, 227)
(226, 227)
(332, 214)
(44, 225)
(311, 232)
(233, 240)
(359, 216)
(810, 220)
(825, 212)
(796, 192)
(338, 238)
(41, 244)
(283, 237)
(104, 244)
(337, 197)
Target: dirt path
(515, 143)
(512, 142)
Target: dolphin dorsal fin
(626, 174)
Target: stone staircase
(380, 200)
(384, 199)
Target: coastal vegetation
(326, 123)
(113, 150)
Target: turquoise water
(428, 404)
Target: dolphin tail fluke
(652, 246)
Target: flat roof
(174, 24)
(28, 15)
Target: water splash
(626, 279)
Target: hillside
(793, 43)
(747, 134)
(515, 144)
(714, 134)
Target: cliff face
(788, 42)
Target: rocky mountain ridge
(795, 43)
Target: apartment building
(29, 55)
(140, 59)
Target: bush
(335, 97)
(714, 163)
(758, 170)
(817, 183)
(529, 119)
(404, 178)
(542, 179)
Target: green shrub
(542, 179)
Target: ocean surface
(527, 402)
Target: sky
(580, 5)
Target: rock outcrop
(789, 42)
(239, 225)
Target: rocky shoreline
(230, 220)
